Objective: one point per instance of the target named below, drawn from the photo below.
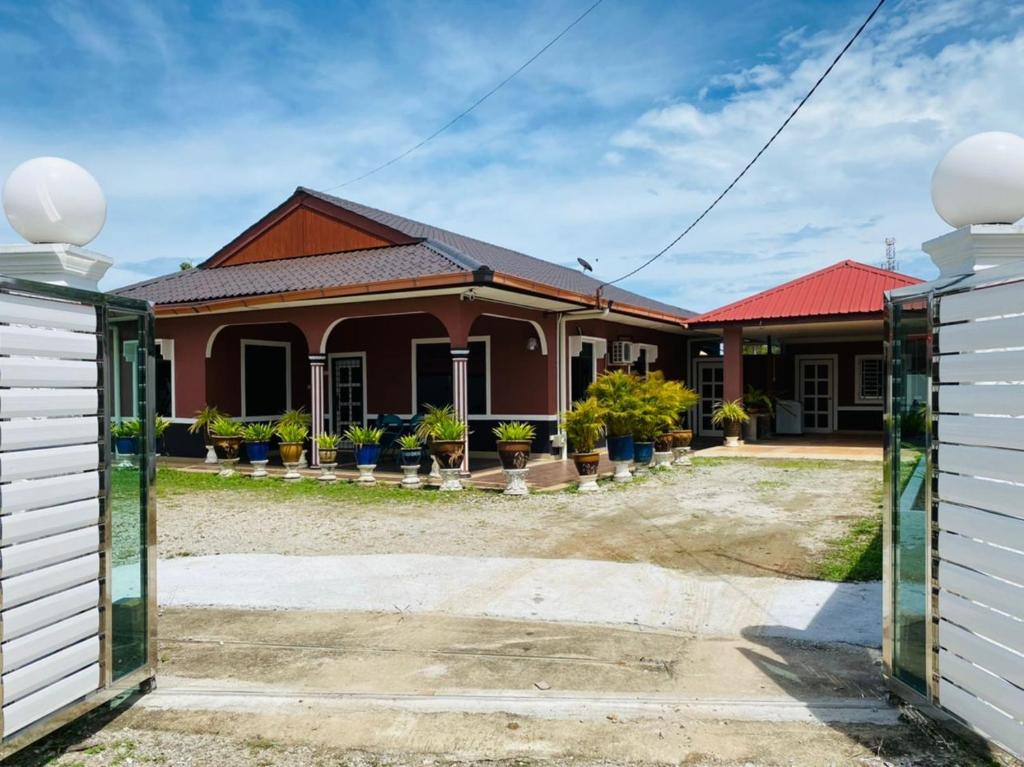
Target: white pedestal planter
(450, 480)
(303, 463)
(327, 472)
(663, 461)
(412, 476)
(211, 455)
(366, 474)
(622, 471)
(292, 473)
(682, 455)
(588, 484)
(732, 441)
(641, 469)
(227, 467)
(435, 469)
(515, 482)
(259, 469)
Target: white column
(316, 409)
(460, 397)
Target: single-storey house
(355, 313)
(814, 345)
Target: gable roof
(846, 288)
(434, 251)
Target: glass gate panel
(910, 441)
(127, 335)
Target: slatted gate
(973, 581)
(76, 618)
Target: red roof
(846, 288)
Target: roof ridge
(454, 255)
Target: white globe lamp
(981, 181)
(53, 200)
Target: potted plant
(201, 425)
(292, 436)
(159, 429)
(410, 453)
(584, 425)
(653, 416)
(226, 436)
(514, 441)
(366, 440)
(666, 401)
(298, 417)
(448, 446)
(760, 409)
(425, 431)
(126, 441)
(731, 416)
(617, 393)
(682, 437)
(327, 451)
(257, 438)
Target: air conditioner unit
(623, 353)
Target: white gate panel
(982, 493)
(35, 615)
(29, 433)
(47, 313)
(982, 399)
(35, 676)
(28, 525)
(985, 526)
(996, 301)
(48, 403)
(983, 589)
(983, 718)
(1003, 333)
(980, 366)
(983, 462)
(49, 462)
(982, 621)
(979, 430)
(34, 707)
(983, 557)
(61, 374)
(50, 580)
(43, 552)
(23, 650)
(40, 493)
(983, 684)
(999, 660)
(45, 342)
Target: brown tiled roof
(306, 273)
(440, 252)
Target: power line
(472, 106)
(757, 156)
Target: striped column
(316, 409)
(460, 397)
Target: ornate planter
(291, 452)
(731, 430)
(663, 443)
(257, 451)
(329, 456)
(127, 445)
(586, 467)
(514, 454)
(620, 452)
(410, 459)
(682, 437)
(448, 453)
(643, 454)
(366, 462)
(226, 447)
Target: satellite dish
(586, 267)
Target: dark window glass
(266, 380)
(434, 376)
(164, 382)
(582, 372)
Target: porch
(838, 446)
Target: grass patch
(856, 555)
(799, 464)
(172, 482)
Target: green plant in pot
(584, 426)
(298, 417)
(227, 439)
(410, 454)
(160, 426)
(201, 425)
(256, 437)
(687, 398)
(366, 441)
(127, 435)
(447, 444)
(515, 438)
(618, 394)
(292, 436)
(759, 407)
(327, 450)
(730, 416)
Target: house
(355, 313)
(816, 341)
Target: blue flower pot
(127, 445)
(643, 453)
(412, 456)
(620, 448)
(367, 455)
(257, 451)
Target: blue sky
(198, 118)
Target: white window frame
(833, 361)
(166, 346)
(651, 355)
(330, 384)
(857, 398)
(600, 350)
(445, 340)
(246, 342)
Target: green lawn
(857, 555)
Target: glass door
(910, 442)
(816, 395)
(127, 404)
(711, 389)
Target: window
(165, 377)
(266, 378)
(870, 381)
(433, 375)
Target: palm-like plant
(618, 394)
(204, 418)
(327, 441)
(363, 435)
(409, 442)
(291, 432)
(584, 424)
(434, 416)
(514, 431)
(297, 416)
(225, 427)
(729, 412)
(257, 432)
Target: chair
(392, 426)
(414, 423)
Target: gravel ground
(750, 517)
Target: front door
(347, 392)
(817, 393)
(711, 388)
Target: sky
(198, 118)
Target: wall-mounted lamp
(532, 344)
